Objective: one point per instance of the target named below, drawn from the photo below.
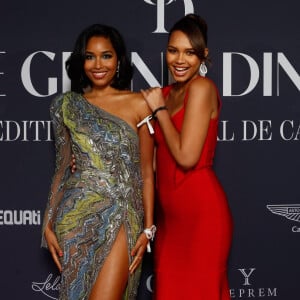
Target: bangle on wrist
(150, 233)
(157, 110)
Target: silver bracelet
(150, 234)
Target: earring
(203, 69)
(118, 69)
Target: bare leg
(112, 279)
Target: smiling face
(181, 57)
(101, 61)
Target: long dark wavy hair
(75, 63)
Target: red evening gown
(194, 224)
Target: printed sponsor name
(49, 287)
(20, 217)
(248, 290)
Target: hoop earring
(118, 69)
(203, 69)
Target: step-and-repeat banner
(254, 46)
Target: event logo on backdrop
(160, 4)
(247, 290)
(137, 61)
(288, 211)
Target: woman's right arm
(62, 172)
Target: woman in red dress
(193, 217)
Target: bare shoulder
(138, 103)
(203, 85)
(129, 96)
(203, 94)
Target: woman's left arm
(146, 160)
(147, 151)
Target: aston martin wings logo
(289, 211)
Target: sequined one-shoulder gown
(194, 224)
(88, 208)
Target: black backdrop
(254, 46)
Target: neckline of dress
(170, 87)
(108, 113)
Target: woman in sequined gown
(193, 217)
(94, 219)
